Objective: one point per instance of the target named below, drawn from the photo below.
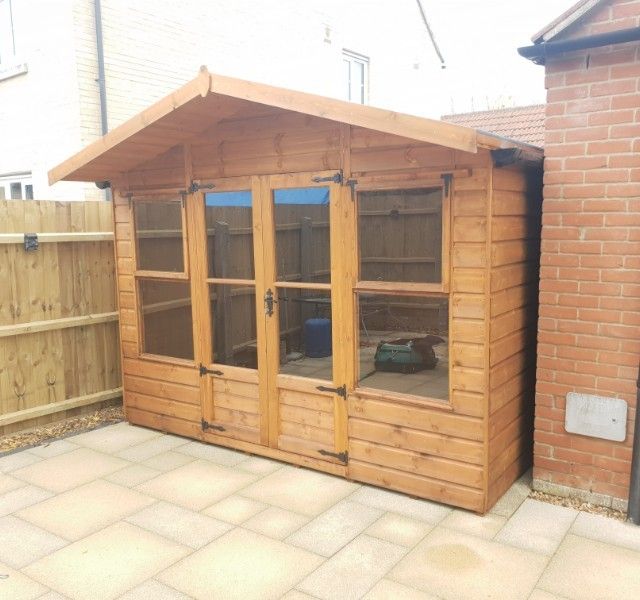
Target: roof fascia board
(564, 21)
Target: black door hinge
(206, 425)
(343, 457)
(204, 371)
(335, 178)
(446, 178)
(340, 391)
(196, 187)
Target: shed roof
(522, 123)
(209, 99)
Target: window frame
(399, 288)
(351, 58)
(140, 275)
(9, 27)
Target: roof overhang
(208, 99)
(565, 20)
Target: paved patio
(126, 512)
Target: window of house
(7, 42)
(356, 73)
(17, 186)
(402, 296)
(162, 278)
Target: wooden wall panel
(515, 228)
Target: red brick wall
(589, 327)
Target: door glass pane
(305, 333)
(166, 316)
(403, 345)
(400, 235)
(230, 234)
(159, 235)
(233, 320)
(302, 234)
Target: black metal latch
(30, 242)
(340, 391)
(206, 425)
(204, 371)
(343, 457)
(268, 303)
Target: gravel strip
(578, 504)
(39, 435)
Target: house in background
(589, 320)
(51, 75)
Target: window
(7, 42)
(17, 186)
(356, 73)
(162, 278)
(401, 295)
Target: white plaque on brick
(596, 416)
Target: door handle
(269, 302)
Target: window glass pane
(167, 320)
(305, 333)
(230, 234)
(400, 235)
(16, 191)
(358, 82)
(233, 319)
(28, 192)
(302, 234)
(2, 193)
(159, 235)
(403, 345)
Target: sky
(479, 41)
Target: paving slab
(152, 447)
(485, 526)
(21, 497)
(386, 589)
(584, 569)
(133, 475)
(153, 590)
(240, 565)
(512, 499)
(183, 526)
(276, 523)
(457, 566)
(107, 563)
(260, 466)
(399, 529)
(235, 509)
(196, 485)
(423, 510)
(538, 594)
(17, 586)
(115, 438)
(354, 570)
(50, 449)
(537, 526)
(167, 461)
(76, 513)
(8, 483)
(334, 528)
(69, 470)
(217, 454)
(300, 490)
(609, 531)
(22, 543)
(16, 460)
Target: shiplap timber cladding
(58, 313)
(463, 451)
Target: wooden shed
(328, 284)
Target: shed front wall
(431, 449)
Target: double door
(275, 291)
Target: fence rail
(59, 352)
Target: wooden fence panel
(59, 351)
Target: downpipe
(633, 511)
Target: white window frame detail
(357, 89)
(23, 180)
